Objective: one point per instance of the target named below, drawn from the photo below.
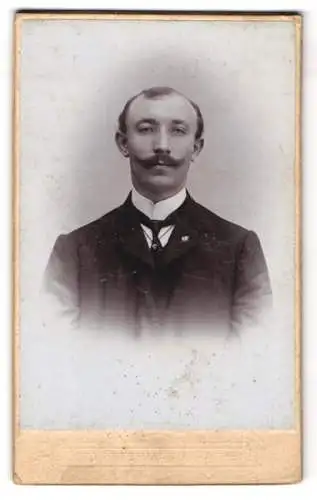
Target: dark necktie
(156, 226)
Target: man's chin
(160, 182)
(160, 178)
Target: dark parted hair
(152, 93)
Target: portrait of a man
(160, 262)
(156, 223)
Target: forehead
(162, 108)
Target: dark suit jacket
(212, 276)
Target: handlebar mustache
(163, 159)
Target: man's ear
(122, 143)
(198, 146)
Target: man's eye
(145, 129)
(178, 131)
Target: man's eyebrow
(146, 120)
(180, 122)
(176, 121)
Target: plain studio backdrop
(75, 77)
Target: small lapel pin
(185, 238)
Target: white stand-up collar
(161, 209)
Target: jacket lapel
(130, 236)
(185, 235)
(182, 240)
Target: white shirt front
(158, 211)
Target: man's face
(160, 142)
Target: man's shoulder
(95, 228)
(209, 221)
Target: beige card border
(155, 457)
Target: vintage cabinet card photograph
(156, 248)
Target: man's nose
(161, 143)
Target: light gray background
(76, 77)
